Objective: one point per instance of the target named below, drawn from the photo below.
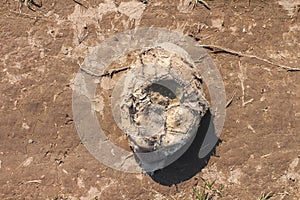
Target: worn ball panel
(160, 103)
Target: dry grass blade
(218, 49)
(266, 196)
(204, 3)
(81, 4)
(231, 99)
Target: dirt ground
(41, 156)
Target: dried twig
(81, 4)
(106, 74)
(34, 181)
(82, 38)
(115, 71)
(242, 78)
(203, 3)
(218, 49)
(28, 3)
(231, 99)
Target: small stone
(25, 126)
(30, 141)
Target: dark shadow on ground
(189, 163)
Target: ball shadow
(189, 164)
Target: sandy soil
(41, 156)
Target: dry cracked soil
(41, 155)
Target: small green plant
(200, 196)
(208, 191)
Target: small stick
(115, 71)
(231, 99)
(34, 181)
(28, 2)
(106, 74)
(203, 3)
(242, 78)
(81, 4)
(82, 38)
(37, 5)
(240, 54)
